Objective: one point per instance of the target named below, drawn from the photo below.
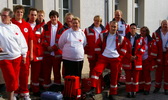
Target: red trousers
(10, 70)
(23, 77)
(145, 77)
(35, 73)
(92, 64)
(132, 79)
(49, 63)
(99, 68)
(160, 70)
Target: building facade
(142, 12)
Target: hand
(49, 48)
(31, 57)
(24, 60)
(1, 49)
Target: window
(64, 7)
(116, 4)
(26, 4)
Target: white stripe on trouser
(78, 96)
(125, 65)
(139, 66)
(148, 83)
(45, 85)
(165, 83)
(97, 49)
(95, 77)
(135, 83)
(123, 50)
(153, 54)
(35, 84)
(157, 83)
(113, 86)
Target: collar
(56, 25)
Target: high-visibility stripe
(128, 83)
(113, 86)
(97, 49)
(153, 54)
(57, 56)
(125, 65)
(39, 58)
(142, 82)
(47, 85)
(157, 83)
(89, 56)
(78, 96)
(35, 84)
(95, 77)
(159, 60)
(142, 50)
(123, 50)
(148, 83)
(46, 52)
(139, 66)
(165, 83)
(135, 83)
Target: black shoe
(129, 95)
(146, 92)
(166, 92)
(156, 90)
(37, 94)
(111, 97)
(133, 94)
(91, 92)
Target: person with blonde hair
(72, 43)
(92, 34)
(68, 20)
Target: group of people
(43, 46)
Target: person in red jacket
(52, 54)
(110, 48)
(132, 61)
(28, 34)
(92, 34)
(123, 28)
(148, 61)
(161, 37)
(36, 64)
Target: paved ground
(121, 90)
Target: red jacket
(157, 36)
(120, 44)
(127, 27)
(91, 37)
(152, 52)
(139, 49)
(25, 29)
(47, 37)
(37, 41)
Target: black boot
(133, 94)
(146, 92)
(166, 92)
(129, 95)
(156, 90)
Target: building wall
(90, 8)
(156, 10)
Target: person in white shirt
(12, 46)
(72, 43)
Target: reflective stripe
(45, 85)
(40, 79)
(35, 84)
(157, 83)
(159, 60)
(135, 83)
(39, 58)
(153, 54)
(128, 83)
(142, 82)
(125, 65)
(142, 50)
(57, 56)
(165, 83)
(95, 77)
(113, 86)
(89, 56)
(123, 50)
(46, 52)
(47, 36)
(78, 96)
(97, 49)
(148, 83)
(139, 66)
